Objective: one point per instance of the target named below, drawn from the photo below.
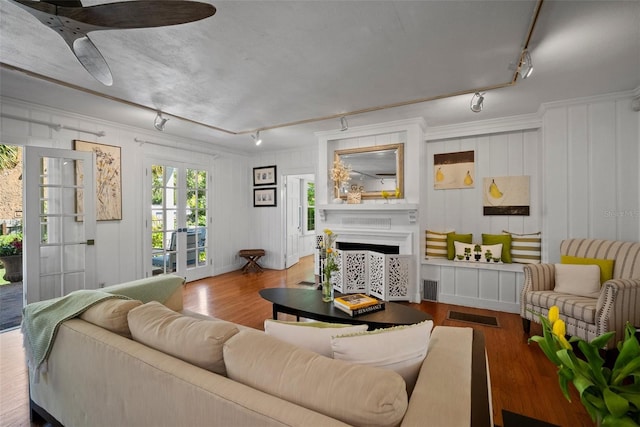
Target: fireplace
(377, 246)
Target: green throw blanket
(41, 320)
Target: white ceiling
(261, 64)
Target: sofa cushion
(401, 349)
(606, 265)
(111, 315)
(196, 341)
(453, 237)
(354, 394)
(583, 280)
(314, 336)
(505, 240)
(436, 244)
(573, 306)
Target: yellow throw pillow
(606, 265)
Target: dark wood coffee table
(308, 303)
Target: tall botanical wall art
(506, 195)
(453, 170)
(108, 179)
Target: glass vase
(327, 289)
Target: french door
(179, 220)
(60, 222)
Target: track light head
(526, 67)
(477, 102)
(343, 123)
(160, 122)
(257, 138)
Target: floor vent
(430, 290)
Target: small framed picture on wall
(264, 175)
(264, 197)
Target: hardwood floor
(522, 379)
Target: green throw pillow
(505, 239)
(452, 237)
(606, 265)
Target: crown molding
(484, 127)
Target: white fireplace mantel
(411, 209)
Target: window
(310, 202)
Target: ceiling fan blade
(139, 14)
(92, 60)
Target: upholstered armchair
(616, 302)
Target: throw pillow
(436, 244)
(401, 349)
(582, 280)
(354, 394)
(525, 248)
(495, 251)
(453, 237)
(463, 251)
(505, 240)
(195, 341)
(111, 315)
(606, 265)
(314, 336)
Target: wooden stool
(252, 256)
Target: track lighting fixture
(257, 138)
(343, 123)
(477, 102)
(526, 67)
(159, 122)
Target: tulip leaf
(634, 398)
(602, 340)
(631, 367)
(616, 404)
(595, 362)
(610, 420)
(629, 350)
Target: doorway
(179, 220)
(299, 217)
(11, 292)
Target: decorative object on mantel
(506, 195)
(609, 394)
(454, 170)
(340, 175)
(354, 196)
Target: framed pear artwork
(505, 195)
(454, 170)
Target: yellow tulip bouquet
(610, 396)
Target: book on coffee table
(354, 301)
(363, 310)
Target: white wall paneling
(119, 244)
(267, 227)
(590, 158)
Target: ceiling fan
(73, 22)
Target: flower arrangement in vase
(330, 264)
(611, 396)
(340, 175)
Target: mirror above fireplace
(374, 169)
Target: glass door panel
(60, 217)
(179, 221)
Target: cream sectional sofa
(97, 375)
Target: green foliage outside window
(311, 206)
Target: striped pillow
(436, 244)
(526, 248)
